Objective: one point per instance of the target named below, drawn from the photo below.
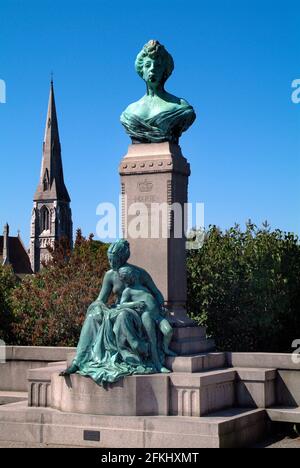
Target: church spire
(51, 218)
(52, 185)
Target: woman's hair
(154, 49)
(120, 248)
(128, 274)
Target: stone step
(255, 387)
(7, 397)
(197, 362)
(188, 346)
(197, 394)
(265, 360)
(231, 428)
(189, 333)
(289, 415)
(37, 353)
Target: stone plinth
(132, 396)
(202, 393)
(182, 394)
(156, 175)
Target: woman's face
(153, 71)
(115, 261)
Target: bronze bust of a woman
(158, 116)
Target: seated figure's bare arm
(106, 289)
(126, 302)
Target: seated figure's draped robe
(112, 345)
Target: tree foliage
(8, 282)
(49, 308)
(244, 286)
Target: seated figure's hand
(140, 307)
(164, 311)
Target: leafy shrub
(50, 307)
(245, 288)
(8, 282)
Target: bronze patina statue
(130, 337)
(158, 116)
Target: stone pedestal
(139, 395)
(154, 179)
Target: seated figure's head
(118, 253)
(154, 64)
(128, 276)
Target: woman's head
(154, 64)
(118, 253)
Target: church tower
(51, 215)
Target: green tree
(8, 282)
(50, 307)
(245, 288)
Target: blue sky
(234, 62)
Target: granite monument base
(209, 400)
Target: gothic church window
(46, 181)
(45, 215)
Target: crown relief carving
(145, 186)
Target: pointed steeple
(51, 218)
(52, 185)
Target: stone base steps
(175, 394)
(289, 415)
(197, 362)
(12, 397)
(211, 399)
(47, 427)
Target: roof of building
(18, 257)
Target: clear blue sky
(234, 62)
